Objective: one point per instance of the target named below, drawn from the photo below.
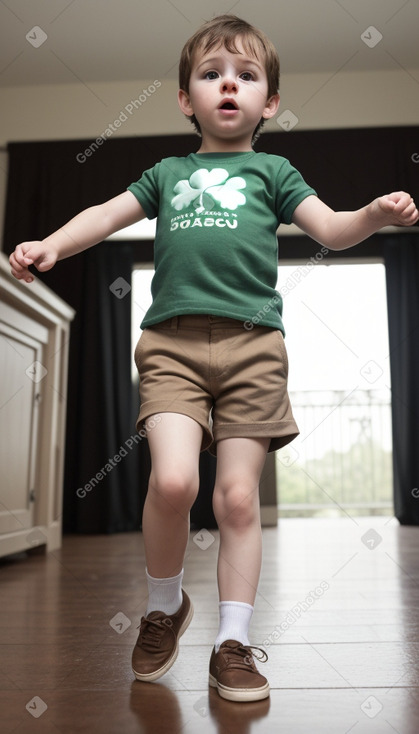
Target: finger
(16, 265)
(398, 195)
(409, 219)
(27, 258)
(387, 204)
(409, 211)
(19, 267)
(23, 274)
(402, 203)
(12, 260)
(405, 206)
(22, 257)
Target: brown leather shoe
(233, 672)
(157, 646)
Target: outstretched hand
(31, 253)
(398, 208)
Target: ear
(184, 103)
(271, 107)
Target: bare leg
(175, 444)
(236, 507)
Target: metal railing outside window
(342, 460)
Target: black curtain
(49, 182)
(102, 467)
(402, 274)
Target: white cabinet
(34, 341)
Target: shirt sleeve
(146, 191)
(291, 191)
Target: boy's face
(228, 94)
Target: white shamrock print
(215, 183)
(188, 191)
(228, 194)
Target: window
(337, 340)
(142, 276)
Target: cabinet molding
(34, 335)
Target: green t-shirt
(216, 249)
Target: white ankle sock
(235, 619)
(164, 595)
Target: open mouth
(228, 105)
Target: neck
(214, 145)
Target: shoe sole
(156, 674)
(239, 694)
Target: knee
(173, 492)
(236, 505)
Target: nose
(228, 84)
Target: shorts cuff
(280, 433)
(154, 407)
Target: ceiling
(88, 41)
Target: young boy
(212, 381)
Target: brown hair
(224, 30)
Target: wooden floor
(337, 612)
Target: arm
(339, 230)
(85, 230)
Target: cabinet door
(21, 375)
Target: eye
(211, 75)
(247, 76)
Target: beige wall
(71, 111)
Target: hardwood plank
(345, 661)
(155, 709)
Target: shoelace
(246, 655)
(152, 630)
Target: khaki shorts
(232, 381)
